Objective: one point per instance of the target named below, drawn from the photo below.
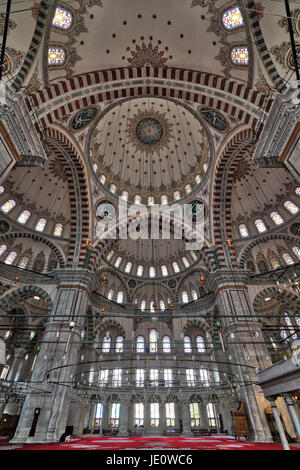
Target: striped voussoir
(14, 296)
(285, 296)
(262, 48)
(164, 82)
(75, 193)
(222, 190)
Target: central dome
(149, 147)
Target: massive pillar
(186, 420)
(124, 418)
(244, 346)
(44, 416)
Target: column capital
(79, 279)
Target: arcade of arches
(107, 325)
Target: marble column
(105, 417)
(60, 347)
(162, 418)
(245, 350)
(279, 426)
(294, 416)
(124, 417)
(147, 427)
(17, 364)
(186, 419)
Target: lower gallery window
(154, 415)
(170, 415)
(139, 414)
(139, 377)
(114, 415)
(98, 415)
(212, 422)
(117, 378)
(103, 378)
(195, 415)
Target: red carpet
(96, 442)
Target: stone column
(248, 353)
(91, 417)
(147, 427)
(162, 417)
(124, 416)
(279, 426)
(17, 364)
(60, 347)
(105, 417)
(203, 416)
(186, 419)
(293, 414)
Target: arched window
(143, 305)
(284, 334)
(162, 305)
(193, 255)
(287, 258)
(232, 19)
(187, 344)
(185, 262)
(113, 188)
(103, 179)
(164, 199)
(164, 270)
(239, 55)
(119, 347)
(277, 219)
(118, 262)
(95, 167)
(40, 225)
(243, 230)
(106, 342)
(291, 207)
(275, 263)
(140, 344)
(120, 297)
(140, 270)
(176, 195)
(110, 255)
(153, 340)
(150, 200)
(3, 248)
(110, 294)
(198, 179)
(23, 217)
(188, 188)
(205, 167)
(152, 271)
(62, 18)
(185, 297)
(128, 267)
(296, 250)
(124, 195)
(152, 306)
(200, 344)
(8, 206)
(2, 189)
(297, 191)
(58, 230)
(194, 295)
(56, 55)
(175, 267)
(11, 257)
(166, 344)
(297, 321)
(23, 262)
(260, 225)
(137, 199)
(289, 325)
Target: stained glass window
(23, 262)
(176, 195)
(8, 206)
(153, 339)
(140, 344)
(40, 225)
(275, 264)
(289, 324)
(193, 255)
(277, 219)
(232, 18)
(194, 295)
(287, 258)
(119, 344)
(164, 199)
(200, 343)
(137, 199)
(124, 195)
(143, 305)
(118, 262)
(113, 188)
(296, 250)
(188, 188)
(152, 271)
(150, 200)
(187, 344)
(283, 334)
(23, 217)
(120, 297)
(164, 270)
(239, 55)
(56, 55)
(260, 225)
(110, 255)
(11, 257)
(162, 305)
(2, 189)
(185, 262)
(140, 270)
(3, 248)
(110, 294)
(185, 297)
(291, 207)
(243, 230)
(205, 167)
(102, 179)
(198, 179)
(106, 343)
(175, 267)
(62, 18)
(297, 191)
(128, 267)
(166, 343)
(58, 230)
